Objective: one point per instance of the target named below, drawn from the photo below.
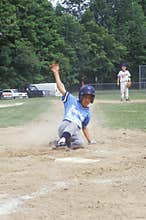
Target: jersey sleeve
(68, 99)
(86, 121)
(65, 97)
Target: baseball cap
(124, 64)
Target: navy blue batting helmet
(87, 90)
(124, 64)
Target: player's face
(124, 68)
(86, 100)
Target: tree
(76, 7)
(89, 39)
(125, 20)
(104, 51)
(91, 50)
(143, 5)
(33, 40)
(9, 33)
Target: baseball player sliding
(76, 114)
(124, 80)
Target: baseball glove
(128, 84)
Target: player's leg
(66, 130)
(64, 136)
(77, 140)
(122, 89)
(127, 93)
(62, 127)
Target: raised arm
(60, 85)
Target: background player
(123, 78)
(76, 114)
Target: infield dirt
(106, 181)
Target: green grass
(115, 94)
(19, 115)
(126, 115)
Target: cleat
(55, 145)
(61, 143)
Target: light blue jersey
(74, 111)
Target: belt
(71, 121)
(66, 120)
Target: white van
(45, 88)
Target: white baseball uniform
(124, 77)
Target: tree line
(90, 39)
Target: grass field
(130, 115)
(21, 111)
(116, 115)
(127, 115)
(115, 94)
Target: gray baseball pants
(73, 129)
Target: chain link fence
(113, 86)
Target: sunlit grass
(21, 114)
(115, 94)
(126, 115)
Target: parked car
(22, 95)
(32, 91)
(43, 89)
(13, 94)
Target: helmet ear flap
(92, 100)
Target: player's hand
(55, 67)
(92, 142)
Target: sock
(67, 136)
